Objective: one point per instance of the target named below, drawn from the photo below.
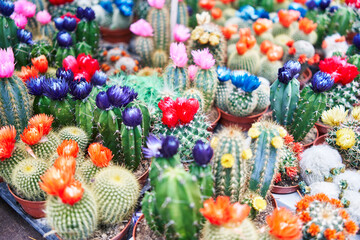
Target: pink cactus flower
(19, 19)
(159, 4)
(7, 65)
(192, 70)
(178, 54)
(181, 33)
(142, 28)
(28, 9)
(43, 17)
(203, 58)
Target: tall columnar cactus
(222, 90)
(175, 74)
(206, 77)
(23, 48)
(342, 20)
(159, 18)
(229, 163)
(88, 30)
(183, 13)
(117, 191)
(172, 209)
(243, 99)
(65, 48)
(285, 93)
(144, 43)
(15, 108)
(7, 25)
(26, 177)
(307, 113)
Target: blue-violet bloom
(35, 85)
(67, 75)
(56, 88)
(153, 146)
(223, 73)
(99, 78)
(132, 116)
(202, 153)
(169, 146)
(80, 89)
(121, 96)
(321, 82)
(6, 8)
(102, 101)
(25, 36)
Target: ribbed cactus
(182, 13)
(269, 69)
(62, 9)
(285, 93)
(222, 90)
(342, 20)
(195, 94)
(42, 48)
(26, 177)
(40, 4)
(263, 93)
(76, 134)
(346, 95)
(46, 148)
(144, 47)
(245, 231)
(117, 191)
(229, 166)
(65, 47)
(160, 22)
(23, 48)
(172, 209)
(323, 21)
(176, 77)
(87, 29)
(8, 165)
(8, 30)
(73, 222)
(83, 47)
(159, 58)
(47, 30)
(249, 61)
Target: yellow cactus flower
(282, 132)
(334, 116)
(227, 160)
(254, 132)
(356, 113)
(246, 154)
(214, 142)
(214, 39)
(204, 38)
(259, 203)
(345, 138)
(196, 33)
(277, 142)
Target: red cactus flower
(229, 30)
(54, 181)
(207, 4)
(287, 17)
(100, 155)
(72, 193)
(27, 73)
(284, 224)
(68, 148)
(277, 177)
(65, 164)
(40, 63)
(291, 172)
(339, 69)
(7, 141)
(288, 139)
(43, 122)
(31, 135)
(302, 58)
(306, 25)
(216, 13)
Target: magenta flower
(159, 4)
(203, 58)
(23, 7)
(192, 70)
(142, 28)
(181, 33)
(6, 63)
(178, 54)
(20, 20)
(43, 17)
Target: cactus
(229, 166)
(144, 47)
(141, 9)
(323, 21)
(176, 77)
(8, 29)
(307, 114)
(65, 48)
(176, 200)
(60, 10)
(159, 58)
(88, 30)
(160, 20)
(222, 90)
(269, 69)
(305, 31)
(342, 20)
(117, 191)
(42, 48)
(263, 93)
(76, 134)
(83, 47)
(73, 222)
(182, 14)
(248, 61)
(302, 47)
(47, 30)
(345, 95)
(8, 165)
(268, 5)
(195, 94)
(246, 231)
(40, 4)
(285, 93)
(46, 148)
(26, 177)
(23, 48)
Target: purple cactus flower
(132, 117)
(67, 75)
(121, 96)
(35, 85)
(80, 89)
(80, 12)
(202, 153)
(153, 146)
(69, 24)
(311, 4)
(89, 14)
(324, 4)
(99, 78)
(102, 101)
(6, 8)
(25, 36)
(59, 23)
(356, 41)
(321, 82)
(55, 88)
(169, 146)
(64, 39)
(293, 67)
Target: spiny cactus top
(100, 155)
(181, 33)
(287, 17)
(38, 127)
(339, 69)
(290, 70)
(178, 54)
(85, 13)
(43, 17)
(202, 153)
(80, 89)
(25, 36)
(7, 65)
(142, 28)
(67, 23)
(283, 224)
(223, 73)
(246, 82)
(321, 82)
(6, 8)
(7, 142)
(165, 147)
(203, 58)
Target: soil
(260, 220)
(143, 232)
(107, 233)
(143, 167)
(310, 137)
(286, 183)
(212, 115)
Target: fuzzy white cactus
(334, 46)
(317, 162)
(330, 189)
(352, 179)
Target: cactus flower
(7, 65)
(277, 142)
(56, 89)
(259, 203)
(64, 39)
(40, 63)
(169, 146)
(355, 113)
(223, 73)
(28, 73)
(321, 82)
(102, 101)
(227, 160)
(356, 41)
(290, 70)
(324, 4)
(178, 54)
(153, 146)
(132, 116)
(20, 20)
(246, 154)
(31, 135)
(181, 33)
(306, 25)
(99, 78)
(43, 17)
(80, 89)
(7, 141)
(345, 138)
(23, 7)
(203, 58)
(35, 85)
(67, 75)
(7, 8)
(311, 4)
(192, 70)
(121, 96)
(69, 24)
(66, 163)
(284, 224)
(142, 28)
(42, 122)
(287, 17)
(25, 36)
(68, 148)
(54, 181)
(86, 13)
(246, 82)
(59, 23)
(339, 69)
(262, 25)
(202, 153)
(159, 4)
(335, 116)
(72, 193)
(100, 155)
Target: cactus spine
(8, 37)
(241, 103)
(84, 115)
(245, 231)
(89, 32)
(83, 47)
(22, 54)
(176, 77)
(159, 58)
(8, 165)
(144, 47)
(46, 148)
(221, 95)
(206, 82)
(159, 20)
(248, 61)
(42, 48)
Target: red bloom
(7, 141)
(100, 155)
(287, 17)
(342, 71)
(71, 15)
(68, 148)
(207, 4)
(315, 59)
(216, 13)
(27, 73)
(31, 135)
(67, 164)
(288, 139)
(54, 181)
(170, 118)
(298, 147)
(166, 103)
(229, 30)
(72, 193)
(84, 66)
(42, 122)
(277, 178)
(292, 51)
(290, 43)
(291, 172)
(302, 58)
(41, 64)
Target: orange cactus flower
(275, 53)
(302, 59)
(27, 73)
(54, 181)
(262, 25)
(340, 236)
(291, 172)
(31, 135)
(136, 68)
(336, 202)
(290, 43)
(298, 147)
(41, 64)
(292, 51)
(330, 234)
(287, 17)
(288, 139)
(114, 58)
(100, 155)
(344, 214)
(42, 122)
(351, 227)
(229, 30)
(65, 164)
(72, 193)
(313, 229)
(265, 46)
(315, 59)
(68, 148)
(7, 141)
(277, 177)
(340, 39)
(123, 68)
(322, 197)
(244, 32)
(250, 42)
(207, 4)
(241, 48)
(324, 44)
(216, 13)
(306, 25)
(305, 217)
(284, 225)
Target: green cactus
(40, 4)
(15, 105)
(182, 14)
(263, 93)
(279, 29)
(48, 30)
(84, 115)
(8, 36)
(89, 32)
(62, 110)
(195, 94)
(60, 10)
(206, 82)
(245, 231)
(144, 47)
(176, 77)
(26, 178)
(343, 95)
(22, 55)
(241, 103)
(342, 20)
(73, 222)
(323, 21)
(353, 54)
(268, 5)
(248, 61)
(145, 123)
(282, 40)
(159, 165)
(264, 36)
(83, 47)
(194, 6)
(221, 95)
(117, 191)
(88, 171)
(159, 19)
(159, 59)
(75, 133)
(173, 208)
(42, 48)
(62, 53)
(46, 148)
(8, 165)
(269, 69)
(141, 9)
(302, 48)
(300, 35)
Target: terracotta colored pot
(115, 36)
(213, 125)
(143, 178)
(243, 122)
(36, 209)
(322, 128)
(306, 146)
(1, 179)
(350, 36)
(320, 140)
(284, 190)
(273, 201)
(305, 77)
(135, 226)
